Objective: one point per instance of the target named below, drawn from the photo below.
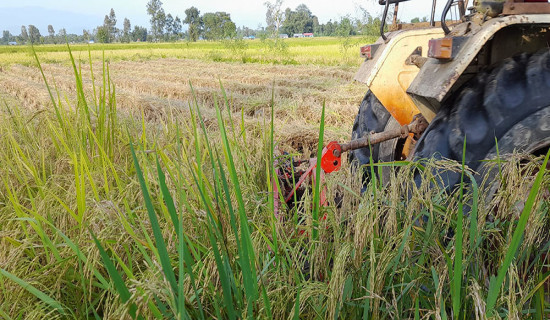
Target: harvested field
(153, 86)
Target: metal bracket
(519, 7)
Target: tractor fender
(437, 79)
(388, 74)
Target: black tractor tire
(372, 117)
(509, 103)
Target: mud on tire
(510, 102)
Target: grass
(110, 214)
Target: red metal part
(331, 161)
(303, 177)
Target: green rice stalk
(496, 282)
(37, 293)
(317, 187)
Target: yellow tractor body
(486, 78)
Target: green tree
(51, 32)
(177, 27)
(367, 25)
(299, 21)
(218, 26)
(102, 34)
(169, 26)
(345, 28)
(85, 35)
(6, 36)
(24, 35)
(158, 18)
(126, 30)
(193, 19)
(274, 17)
(62, 35)
(109, 22)
(415, 20)
(139, 34)
(34, 34)
(112, 24)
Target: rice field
(137, 182)
(324, 51)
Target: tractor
(479, 82)
(485, 79)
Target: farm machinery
(480, 80)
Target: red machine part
(331, 160)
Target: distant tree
(6, 35)
(345, 28)
(177, 27)
(24, 35)
(85, 35)
(34, 34)
(274, 17)
(127, 29)
(158, 17)
(193, 19)
(112, 18)
(109, 23)
(139, 34)
(218, 26)
(169, 26)
(299, 21)
(415, 20)
(245, 31)
(316, 25)
(102, 34)
(367, 25)
(329, 29)
(51, 32)
(112, 26)
(229, 29)
(62, 34)
(306, 17)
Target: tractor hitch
(331, 159)
(416, 127)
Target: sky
(76, 15)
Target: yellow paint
(391, 76)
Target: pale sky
(75, 15)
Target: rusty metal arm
(417, 126)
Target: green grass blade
(248, 256)
(157, 233)
(317, 192)
(34, 291)
(496, 283)
(120, 286)
(459, 255)
(168, 200)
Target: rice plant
(112, 214)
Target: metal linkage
(331, 159)
(417, 126)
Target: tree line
(207, 26)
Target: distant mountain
(13, 18)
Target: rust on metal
(440, 48)
(417, 126)
(520, 7)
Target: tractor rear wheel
(373, 117)
(509, 103)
